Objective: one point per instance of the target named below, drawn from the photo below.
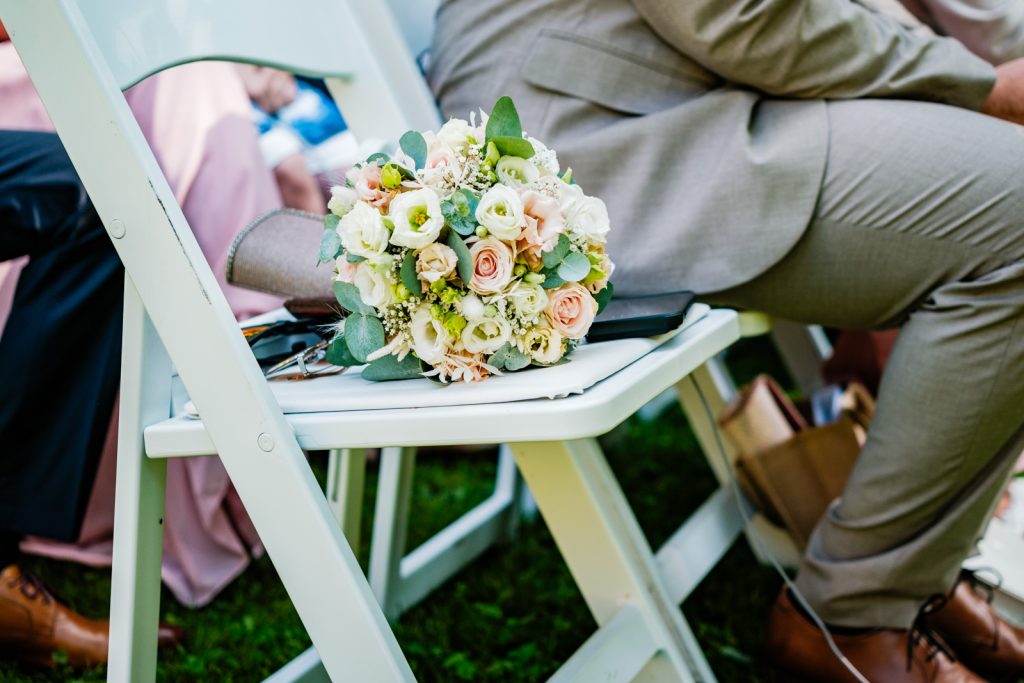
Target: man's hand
(1006, 101)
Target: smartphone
(640, 316)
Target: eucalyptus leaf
(604, 296)
(574, 267)
(513, 147)
(380, 157)
(364, 334)
(413, 144)
(554, 257)
(354, 258)
(500, 357)
(517, 360)
(504, 120)
(331, 222)
(408, 274)
(348, 296)
(330, 245)
(472, 200)
(338, 353)
(551, 279)
(465, 258)
(465, 225)
(390, 368)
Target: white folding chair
(172, 302)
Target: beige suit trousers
(920, 223)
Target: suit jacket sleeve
(819, 49)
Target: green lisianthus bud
(436, 311)
(390, 177)
(520, 270)
(595, 275)
(534, 278)
(401, 293)
(492, 155)
(481, 231)
(438, 286)
(594, 259)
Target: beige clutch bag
(277, 254)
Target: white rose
(515, 171)
(458, 134)
(486, 335)
(501, 211)
(435, 262)
(430, 341)
(343, 199)
(373, 281)
(472, 307)
(542, 344)
(362, 231)
(417, 218)
(566, 194)
(529, 301)
(588, 217)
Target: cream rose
(430, 341)
(435, 262)
(362, 231)
(515, 171)
(417, 218)
(486, 334)
(588, 217)
(373, 281)
(501, 211)
(343, 199)
(543, 223)
(492, 266)
(458, 134)
(571, 310)
(528, 301)
(542, 344)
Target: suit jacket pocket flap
(609, 76)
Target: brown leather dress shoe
(34, 625)
(978, 636)
(799, 652)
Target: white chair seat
(618, 378)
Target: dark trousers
(60, 350)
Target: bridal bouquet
(466, 254)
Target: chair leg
(346, 474)
(139, 500)
(609, 558)
(390, 522)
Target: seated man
(64, 331)
(819, 162)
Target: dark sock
(9, 553)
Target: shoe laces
(31, 587)
(921, 633)
(989, 591)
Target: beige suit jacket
(701, 123)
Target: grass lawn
(514, 615)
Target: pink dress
(196, 118)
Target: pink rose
(366, 182)
(571, 310)
(543, 226)
(492, 266)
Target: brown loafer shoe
(799, 652)
(979, 637)
(34, 625)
